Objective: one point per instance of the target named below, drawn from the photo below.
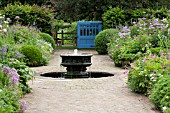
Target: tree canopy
(73, 10)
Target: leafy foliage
(9, 94)
(113, 17)
(160, 95)
(29, 15)
(33, 56)
(102, 39)
(92, 10)
(145, 73)
(132, 43)
(48, 38)
(25, 73)
(117, 16)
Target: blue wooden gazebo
(86, 32)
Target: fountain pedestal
(76, 64)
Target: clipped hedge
(102, 39)
(33, 56)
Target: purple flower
(154, 71)
(8, 20)
(143, 18)
(5, 69)
(121, 34)
(155, 22)
(23, 106)
(152, 55)
(126, 29)
(151, 27)
(137, 38)
(17, 17)
(14, 79)
(4, 49)
(166, 26)
(134, 61)
(12, 73)
(18, 55)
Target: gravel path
(92, 95)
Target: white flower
(5, 30)
(164, 108)
(1, 17)
(0, 90)
(0, 26)
(6, 22)
(151, 75)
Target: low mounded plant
(48, 38)
(33, 56)
(102, 39)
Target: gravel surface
(90, 95)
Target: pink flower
(167, 56)
(17, 17)
(160, 52)
(144, 60)
(154, 71)
(126, 71)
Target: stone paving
(91, 95)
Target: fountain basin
(76, 63)
(90, 75)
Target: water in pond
(86, 75)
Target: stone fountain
(76, 64)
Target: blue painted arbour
(86, 31)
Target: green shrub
(113, 17)
(9, 101)
(33, 56)
(117, 16)
(102, 39)
(29, 15)
(144, 73)
(48, 38)
(160, 95)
